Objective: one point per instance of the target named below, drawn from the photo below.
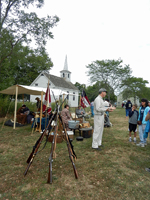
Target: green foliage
(7, 106)
(24, 66)
(135, 87)
(92, 91)
(80, 86)
(109, 72)
(18, 62)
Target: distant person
(38, 104)
(92, 109)
(23, 115)
(147, 129)
(66, 116)
(133, 118)
(128, 107)
(80, 112)
(141, 121)
(107, 105)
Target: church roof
(60, 82)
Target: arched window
(63, 75)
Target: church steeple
(65, 73)
(66, 64)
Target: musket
(70, 149)
(53, 146)
(37, 145)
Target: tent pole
(15, 107)
(23, 98)
(63, 101)
(41, 111)
(80, 101)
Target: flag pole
(80, 100)
(47, 104)
(15, 107)
(41, 111)
(63, 101)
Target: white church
(60, 84)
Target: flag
(84, 100)
(47, 101)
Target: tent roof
(23, 89)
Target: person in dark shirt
(133, 118)
(128, 107)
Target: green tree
(17, 30)
(25, 65)
(92, 91)
(16, 25)
(109, 72)
(80, 86)
(135, 87)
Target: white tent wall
(72, 101)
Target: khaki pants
(98, 130)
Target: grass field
(117, 172)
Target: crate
(71, 134)
(59, 138)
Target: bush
(7, 106)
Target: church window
(68, 95)
(42, 74)
(73, 96)
(63, 75)
(68, 75)
(36, 84)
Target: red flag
(47, 101)
(84, 100)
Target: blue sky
(92, 30)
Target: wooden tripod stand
(56, 116)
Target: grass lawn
(117, 172)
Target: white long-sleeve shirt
(99, 106)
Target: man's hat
(37, 98)
(102, 90)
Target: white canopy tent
(24, 89)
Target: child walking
(133, 118)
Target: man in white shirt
(99, 109)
